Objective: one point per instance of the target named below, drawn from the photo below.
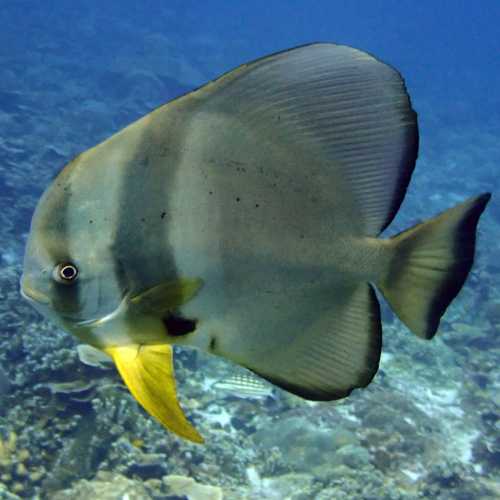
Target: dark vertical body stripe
(140, 249)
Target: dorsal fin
(343, 107)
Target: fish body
(243, 219)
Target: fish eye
(65, 273)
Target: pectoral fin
(168, 296)
(148, 372)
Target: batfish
(243, 219)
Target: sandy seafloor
(427, 427)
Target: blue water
(73, 73)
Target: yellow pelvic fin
(148, 372)
(167, 296)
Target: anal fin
(339, 352)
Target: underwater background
(73, 73)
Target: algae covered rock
(5, 383)
(5, 494)
(291, 486)
(305, 446)
(187, 487)
(106, 486)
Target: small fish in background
(243, 219)
(244, 386)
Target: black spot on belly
(177, 325)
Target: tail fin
(430, 264)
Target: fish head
(96, 273)
(70, 273)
